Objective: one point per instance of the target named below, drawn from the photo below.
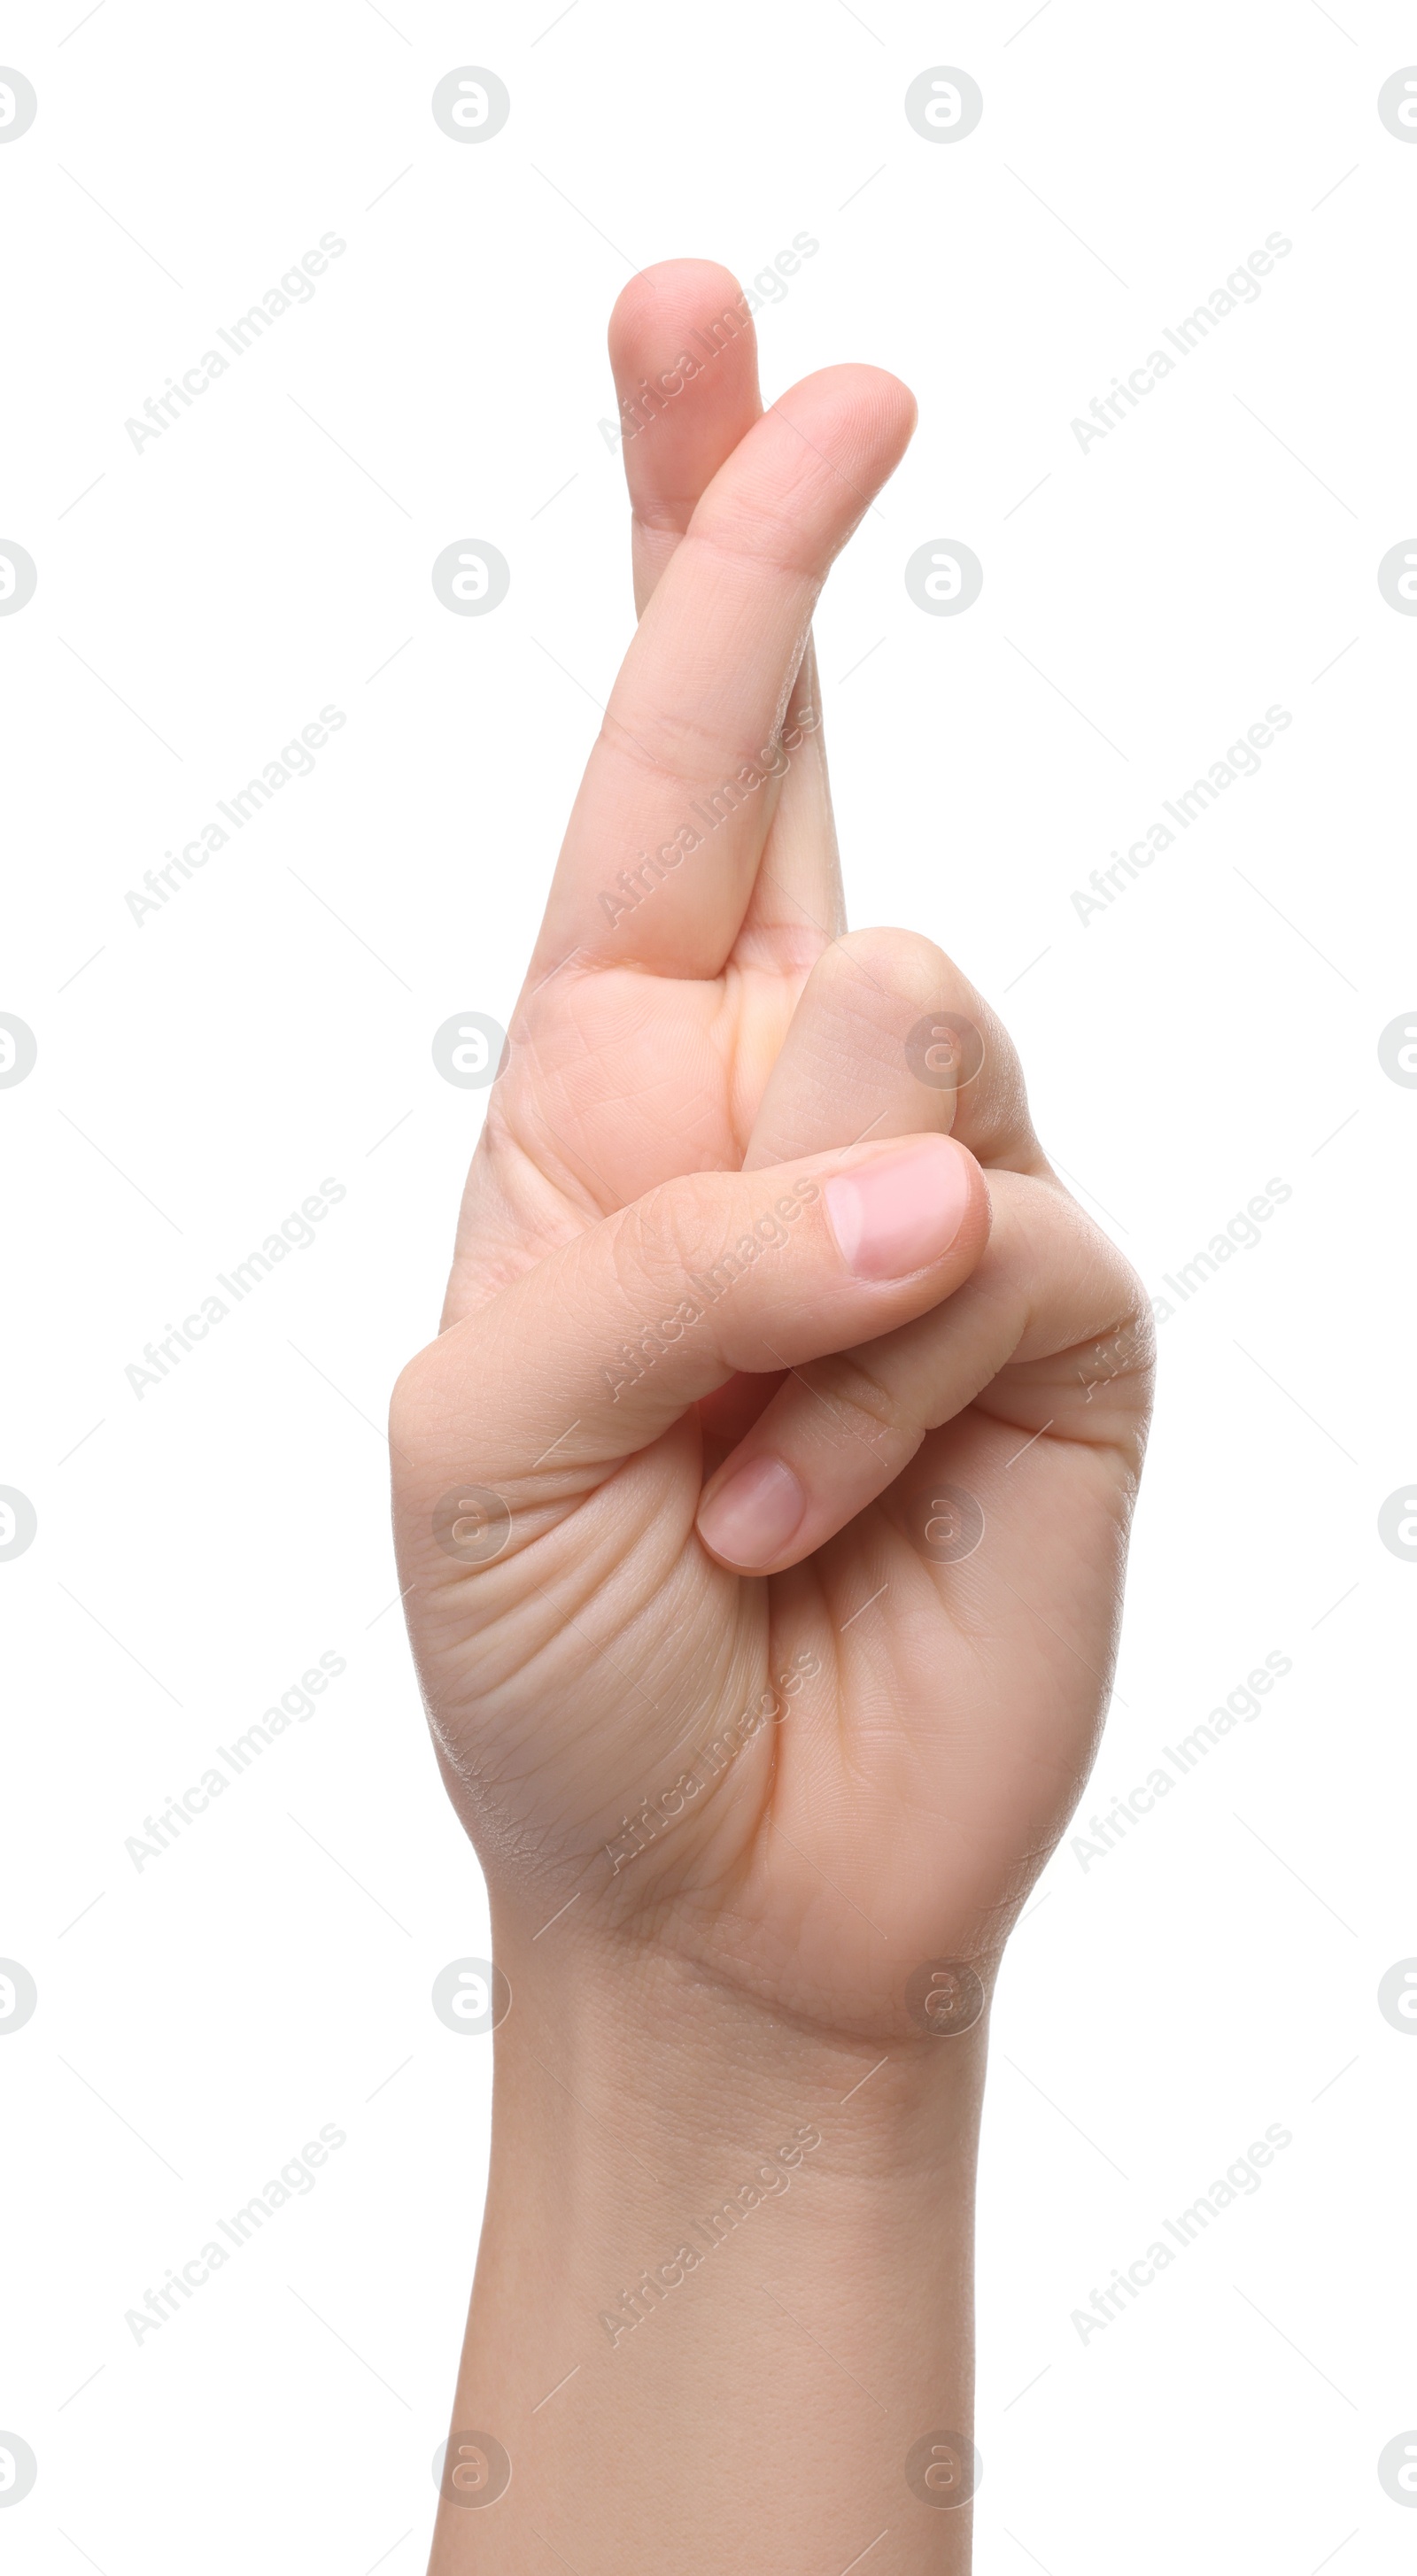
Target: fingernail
(752, 1517)
(902, 1212)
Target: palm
(884, 1737)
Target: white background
(199, 1074)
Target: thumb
(594, 1353)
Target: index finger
(662, 848)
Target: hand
(741, 1531)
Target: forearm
(739, 2253)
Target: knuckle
(1120, 1356)
(676, 1231)
(905, 960)
(1132, 1339)
(664, 742)
(861, 1406)
(893, 983)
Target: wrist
(635, 2040)
(700, 2214)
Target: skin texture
(735, 1780)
